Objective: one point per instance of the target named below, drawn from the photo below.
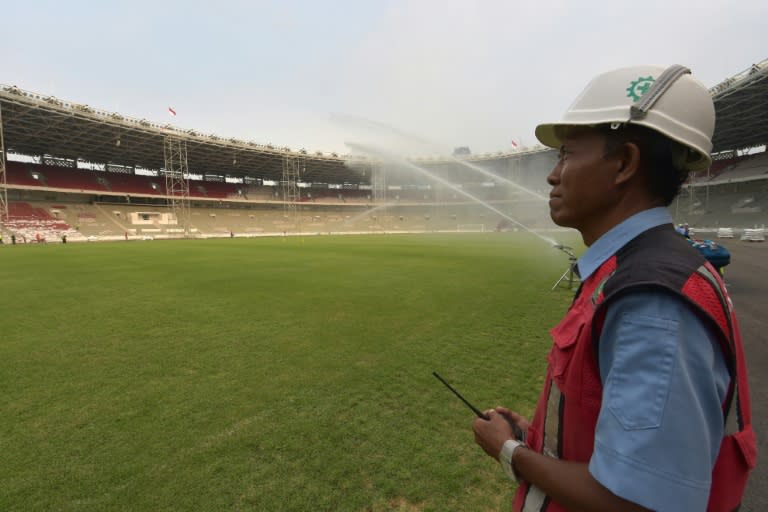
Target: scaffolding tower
(293, 167)
(3, 188)
(378, 184)
(379, 193)
(177, 181)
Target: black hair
(659, 157)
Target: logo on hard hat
(639, 87)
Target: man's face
(583, 183)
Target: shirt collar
(618, 236)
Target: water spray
(384, 155)
(367, 212)
(495, 176)
(409, 139)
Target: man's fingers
(512, 415)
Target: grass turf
(266, 374)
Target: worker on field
(645, 404)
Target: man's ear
(628, 163)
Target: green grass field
(266, 374)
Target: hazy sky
(475, 74)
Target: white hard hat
(669, 101)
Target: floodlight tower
(293, 166)
(3, 188)
(177, 180)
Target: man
(645, 404)
(683, 230)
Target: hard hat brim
(547, 134)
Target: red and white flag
(171, 111)
(514, 144)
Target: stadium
(69, 169)
(113, 177)
(227, 349)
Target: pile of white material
(754, 235)
(725, 233)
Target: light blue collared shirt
(664, 379)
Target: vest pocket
(564, 336)
(748, 445)
(737, 457)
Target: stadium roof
(38, 125)
(741, 104)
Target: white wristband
(505, 457)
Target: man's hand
(568, 483)
(491, 434)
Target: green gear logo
(639, 87)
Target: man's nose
(553, 178)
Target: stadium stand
(31, 223)
(717, 167)
(747, 167)
(107, 189)
(18, 174)
(730, 204)
(76, 179)
(76, 213)
(213, 189)
(721, 201)
(138, 185)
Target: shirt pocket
(639, 379)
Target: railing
(738, 77)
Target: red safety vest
(563, 425)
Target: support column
(177, 181)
